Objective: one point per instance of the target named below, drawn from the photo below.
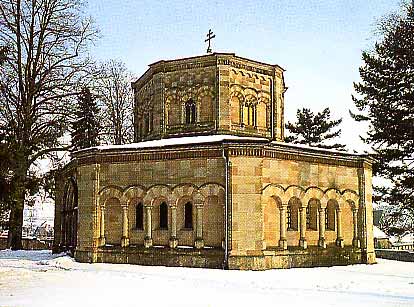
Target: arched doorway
(69, 217)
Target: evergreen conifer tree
(314, 129)
(85, 128)
(386, 101)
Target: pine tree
(85, 128)
(314, 129)
(386, 101)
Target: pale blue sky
(319, 43)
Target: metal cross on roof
(210, 36)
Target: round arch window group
(162, 216)
(312, 216)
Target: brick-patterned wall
(147, 174)
(247, 217)
(250, 88)
(306, 174)
(220, 85)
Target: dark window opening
(188, 216)
(139, 216)
(312, 216)
(292, 217)
(330, 216)
(151, 122)
(163, 216)
(147, 124)
(190, 112)
(69, 217)
(289, 217)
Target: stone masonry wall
(230, 94)
(256, 211)
(150, 176)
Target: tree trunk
(14, 239)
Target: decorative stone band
(216, 59)
(261, 148)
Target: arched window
(190, 112)
(147, 124)
(330, 216)
(69, 216)
(289, 217)
(139, 216)
(252, 115)
(292, 211)
(312, 215)
(151, 118)
(188, 216)
(163, 216)
(249, 114)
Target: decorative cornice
(206, 61)
(249, 67)
(154, 155)
(264, 149)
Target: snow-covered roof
(215, 138)
(187, 140)
(303, 146)
(379, 234)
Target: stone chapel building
(209, 181)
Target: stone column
(148, 226)
(322, 214)
(355, 240)
(125, 236)
(173, 238)
(283, 226)
(102, 227)
(199, 242)
(339, 239)
(302, 240)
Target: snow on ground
(38, 278)
(379, 234)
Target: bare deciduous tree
(116, 97)
(46, 43)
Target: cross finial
(210, 36)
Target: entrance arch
(69, 214)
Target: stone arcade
(209, 181)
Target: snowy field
(38, 278)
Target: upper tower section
(219, 93)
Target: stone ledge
(297, 258)
(214, 258)
(179, 257)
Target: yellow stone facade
(210, 182)
(231, 95)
